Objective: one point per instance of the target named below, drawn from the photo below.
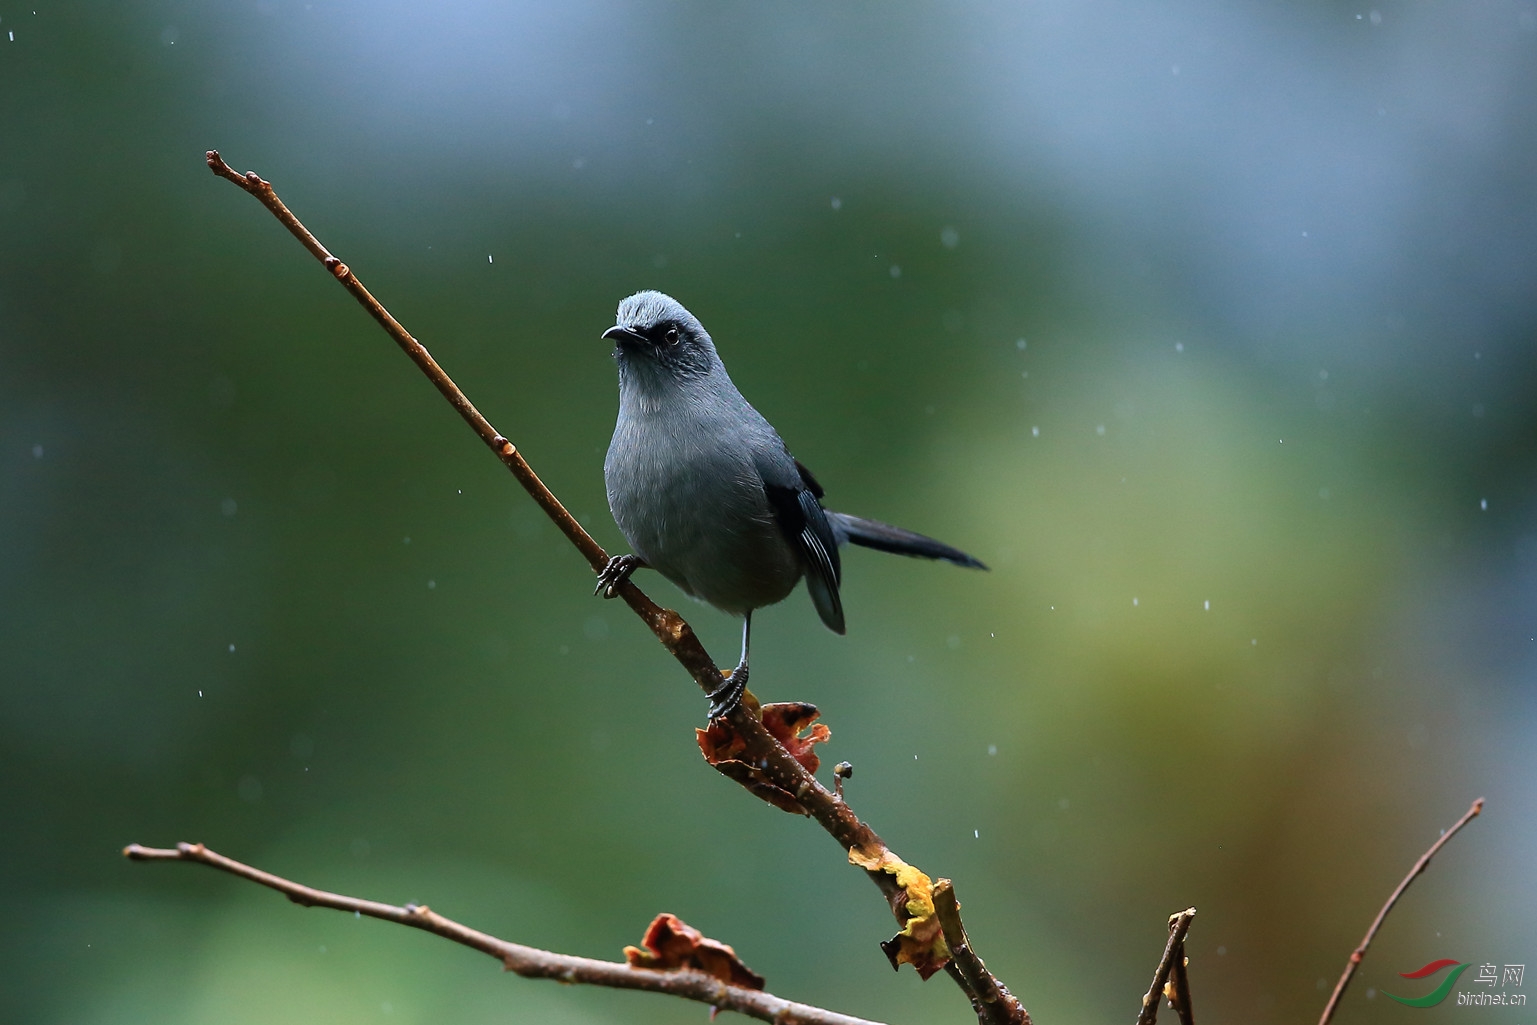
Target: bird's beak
(619, 334)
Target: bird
(707, 493)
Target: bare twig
(529, 962)
(762, 750)
(1178, 989)
(1359, 953)
(1173, 953)
(992, 1001)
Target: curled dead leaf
(921, 943)
(786, 720)
(672, 944)
(725, 749)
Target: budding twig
(1359, 953)
(529, 962)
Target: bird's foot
(725, 698)
(618, 570)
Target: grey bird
(708, 495)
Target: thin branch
(1178, 989)
(529, 962)
(504, 449)
(993, 1002)
(1359, 953)
(1173, 952)
(761, 749)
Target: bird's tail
(886, 538)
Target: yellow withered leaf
(921, 943)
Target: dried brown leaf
(724, 748)
(670, 944)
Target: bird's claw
(613, 575)
(725, 698)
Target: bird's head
(654, 335)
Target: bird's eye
(672, 336)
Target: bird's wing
(808, 480)
(800, 516)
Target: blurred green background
(1209, 326)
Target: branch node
(842, 771)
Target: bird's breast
(689, 500)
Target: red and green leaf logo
(1438, 994)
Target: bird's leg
(617, 571)
(725, 698)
